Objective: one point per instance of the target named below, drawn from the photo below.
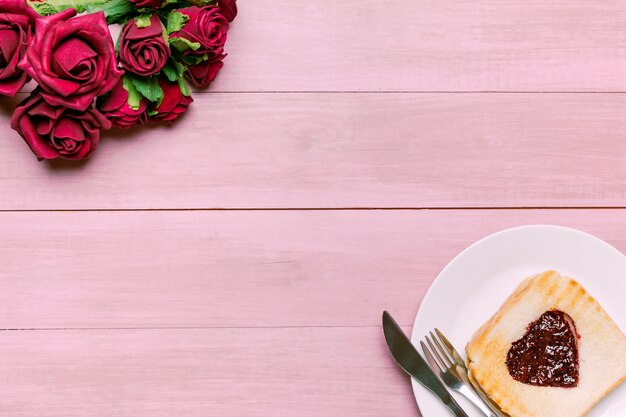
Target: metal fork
(445, 361)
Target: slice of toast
(601, 348)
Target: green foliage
(171, 73)
(174, 71)
(176, 21)
(184, 87)
(182, 44)
(202, 3)
(148, 87)
(116, 11)
(143, 20)
(194, 59)
(120, 12)
(134, 96)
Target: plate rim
(437, 281)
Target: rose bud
(57, 132)
(202, 75)
(205, 31)
(174, 102)
(228, 9)
(144, 50)
(116, 107)
(72, 59)
(16, 21)
(150, 4)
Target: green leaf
(48, 7)
(174, 71)
(180, 68)
(116, 11)
(148, 87)
(143, 21)
(194, 59)
(176, 21)
(170, 72)
(184, 88)
(202, 3)
(182, 44)
(134, 97)
(43, 9)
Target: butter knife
(415, 365)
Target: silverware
(413, 364)
(446, 361)
(493, 406)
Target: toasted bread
(601, 350)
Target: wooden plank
(344, 150)
(241, 268)
(421, 45)
(331, 372)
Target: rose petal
(9, 42)
(46, 110)
(116, 98)
(143, 51)
(44, 126)
(70, 55)
(24, 125)
(13, 86)
(155, 29)
(73, 60)
(228, 9)
(68, 128)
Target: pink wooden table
(236, 265)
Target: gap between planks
(494, 208)
(404, 92)
(394, 92)
(58, 329)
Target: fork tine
(457, 358)
(442, 348)
(435, 353)
(447, 359)
(430, 359)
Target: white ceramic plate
(475, 283)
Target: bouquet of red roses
(88, 82)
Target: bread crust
(602, 349)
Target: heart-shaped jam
(547, 354)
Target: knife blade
(415, 365)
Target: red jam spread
(547, 354)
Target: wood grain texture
(344, 150)
(241, 269)
(421, 45)
(276, 313)
(334, 372)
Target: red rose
(16, 20)
(206, 28)
(174, 102)
(116, 108)
(72, 60)
(57, 132)
(152, 4)
(144, 51)
(203, 74)
(228, 9)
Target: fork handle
(495, 411)
(471, 395)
